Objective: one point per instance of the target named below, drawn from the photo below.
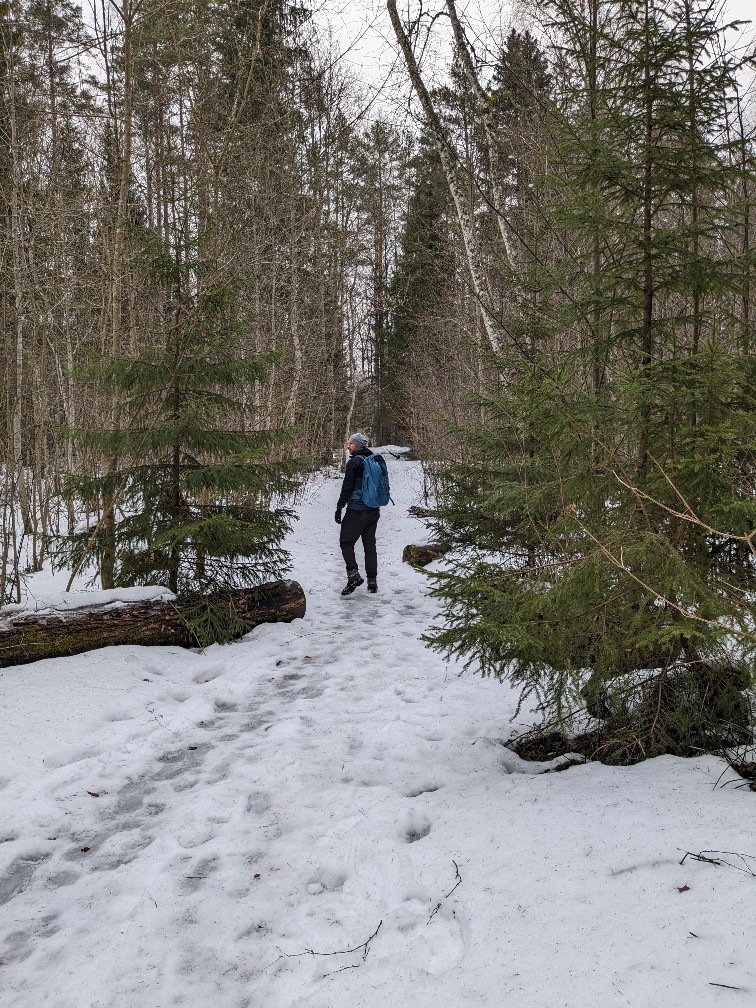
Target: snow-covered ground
(322, 816)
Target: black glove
(337, 516)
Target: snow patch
(65, 601)
(324, 814)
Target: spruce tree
(197, 486)
(376, 187)
(419, 288)
(603, 526)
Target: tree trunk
(465, 213)
(27, 637)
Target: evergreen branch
(688, 515)
(612, 454)
(571, 512)
(101, 521)
(114, 500)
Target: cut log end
(421, 556)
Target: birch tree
(449, 163)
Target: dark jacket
(353, 482)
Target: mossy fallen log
(55, 633)
(421, 556)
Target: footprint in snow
(259, 802)
(406, 695)
(198, 873)
(85, 845)
(290, 677)
(67, 757)
(310, 692)
(122, 849)
(420, 789)
(414, 826)
(153, 670)
(131, 797)
(59, 879)
(326, 881)
(19, 945)
(426, 934)
(19, 873)
(177, 762)
(257, 720)
(225, 707)
(208, 674)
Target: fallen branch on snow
(745, 858)
(437, 907)
(364, 947)
(459, 879)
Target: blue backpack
(375, 482)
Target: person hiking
(361, 519)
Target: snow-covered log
(26, 636)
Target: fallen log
(421, 556)
(56, 633)
(421, 512)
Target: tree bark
(27, 637)
(421, 556)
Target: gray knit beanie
(361, 440)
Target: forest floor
(323, 815)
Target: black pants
(360, 525)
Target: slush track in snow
(322, 815)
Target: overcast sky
(742, 8)
(363, 36)
(363, 33)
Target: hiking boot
(373, 585)
(354, 580)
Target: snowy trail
(189, 829)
